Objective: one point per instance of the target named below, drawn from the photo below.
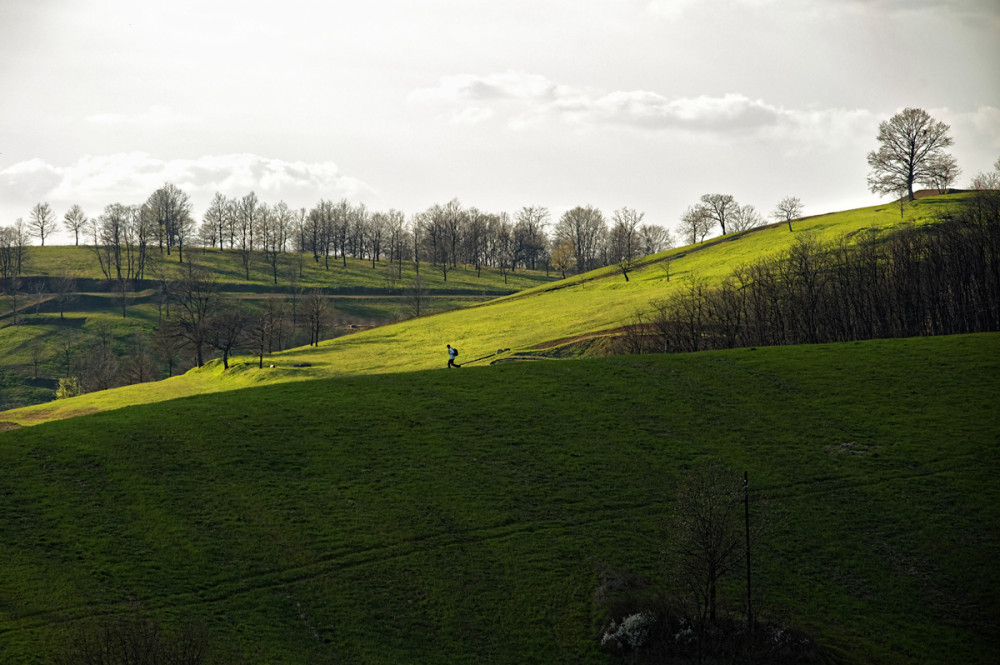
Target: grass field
(357, 503)
(33, 344)
(546, 314)
(333, 275)
(462, 517)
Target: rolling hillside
(354, 503)
(469, 517)
(546, 315)
(63, 308)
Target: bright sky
(499, 103)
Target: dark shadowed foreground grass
(462, 516)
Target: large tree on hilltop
(585, 229)
(75, 220)
(169, 209)
(720, 207)
(42, 221)
(911, 150)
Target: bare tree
(41, 221)
(788, 208)
(417, 233)
(696, 223)
(720, 208)
(375, 234)
(709, 537)
(64, 288)
(317, 314)
(563, 256)
(655, 239)
(283, 225)
(455, 221)
(945, 172)
(990, 180)
(170, 211)
(266, 329)
(416, 295)
(505, 248)
(124, 291)
(196, 300)
(75, 220)
(167, 346)
(625, 241)
(35, 353)
(12, 286)
(224, 330)
(66, 348)
(396, 238)
(139, 365)
(271, 236)
(745, 217)
(338, 228)
(214, 221)
(248, 221)
(586, 229)
(444, 227)
(100, 368)
(911, 150)
(13, 249)
(532, 221)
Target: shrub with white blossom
(631, 633)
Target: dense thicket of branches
(924, 280)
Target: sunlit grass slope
(334, 275)
(463, 517)
(591, 303)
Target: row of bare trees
(199, 318)
(197, 322)
(723, 211)
(14, 241)
(445, 236)
(942, 279)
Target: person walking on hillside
(452, 354)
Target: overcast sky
(498, 103)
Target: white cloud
(470, 87)
(533, 102)
(986, 121)
(643, 109)
(95, 181)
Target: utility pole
(746, 520)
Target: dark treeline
(936, 279)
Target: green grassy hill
(35, 340)
(465, 517)
(354, 503)
(544, 316)
(334, 275)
